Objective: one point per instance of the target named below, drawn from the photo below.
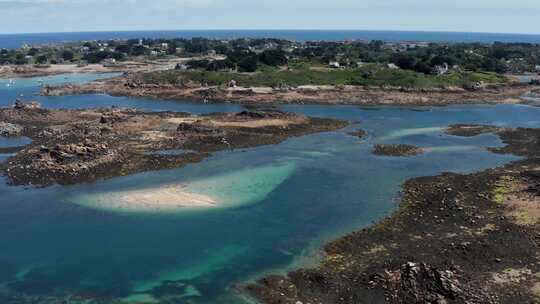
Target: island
(74, 146)
(270, 70)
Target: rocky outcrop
(419, 283)
(9, 129)
(21, 105)
(396, 150)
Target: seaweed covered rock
(196, 128)
(260, 114)
(420, 283)
(396, 150)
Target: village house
(441, 69)
(334, 65)
(392, 66)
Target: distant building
(441, 69)
(537, 68)
(334, 64)
(392, 66)
(181, 67)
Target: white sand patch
(259, 123)
(163, 198)
(166, 196)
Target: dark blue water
(16, 40)
(61, 242)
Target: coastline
(312, 94)
(454, 239)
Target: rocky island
(73, 146)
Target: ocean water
(281, 203)
(16, 40)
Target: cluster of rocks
(72, 152)
(21, 105)
(262, 113)
(359, 133)
(196, 128)
(396, 150)
(9, 129)
(419, 283)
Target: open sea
(16, 40)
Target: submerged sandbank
(239, 187)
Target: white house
(334, 64)
(537, 68)
(392, 66)
(441, 69)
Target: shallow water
(10, 142)
(279, 204)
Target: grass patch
(301, 74)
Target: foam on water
(410, 132)
(456, 148)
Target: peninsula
(284, 71)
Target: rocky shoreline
(455, 239)
(74, 146)
(130, 85)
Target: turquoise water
(278, 205)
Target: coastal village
(251, 55)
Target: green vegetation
(371, 75)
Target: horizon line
(275, 30)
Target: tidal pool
(280, 203)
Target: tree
(33, 52)
(123, 48)
(67, 55)
(422, 67)
(20, 59)
(248, 64)
(171, 49)
(138, 50)
(41, 59)
(273, 57)
(405, 61)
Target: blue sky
(504, 16)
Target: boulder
(9, 129)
